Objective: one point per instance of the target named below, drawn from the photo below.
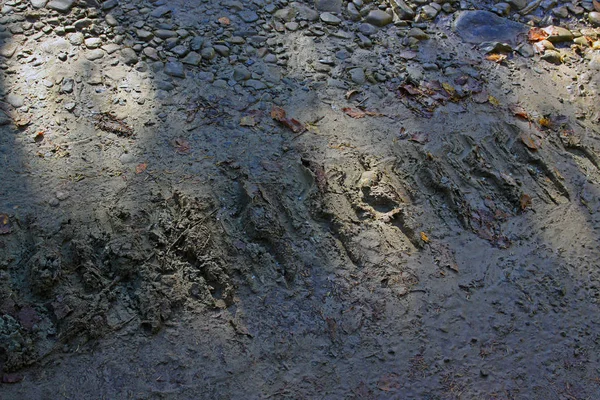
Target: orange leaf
(545, 122)
(141, 168)
(424, 237)
(224, 21)
(498, 58)
(537, 34)
(279, 114)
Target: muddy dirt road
(273, 199)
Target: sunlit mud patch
(135, 269)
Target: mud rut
(391, 256)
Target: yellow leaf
(424, 237)
(493, 101)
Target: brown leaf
(537, 34)
(182, 146)
(354, 112)
(279, 114)
(141, 168)
(224, 21)
(519, 111)
(525, 201)
(5, 225)
(531, 141)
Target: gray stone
(67, 85)
(197, 43)
(560, 34)
(180, 51)
(594, 18)
(418, 34)
(357, 75)
(94, 54)
(248, 16)
(7, 50)
(222, 50)
(192, 58)
(144, 34)
(174, 68)
(129, 56)
(518, 4)
(402, 10)
(241, 73)
(285, 14)
(379, 18)
(208, 53)
(330, 19)
(93, 43)
(83, 23)
(76, 39)
(111, 48)
(151, 53)
(15, 100)
(61, 5)
(353, 12)
(329, 5)
(429, 12)
(107, 5)
(367, 29)
(484, 26)
(165, 33)
(160, 11)
(38, 3)
(111, 20)
(255, 84)
(552, 56)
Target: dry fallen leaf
(224, 21)
(519, 111)
(141, 168)
(182, 146)
(279, 114)
(354, 112)
(545, 122)
(424, 237)
(525, 201)
(537, 34)
(531, 141)
(497, 58)
(493, 101)
(5, 226)
(351, 93)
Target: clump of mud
(135, 270)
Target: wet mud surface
(202, 200)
